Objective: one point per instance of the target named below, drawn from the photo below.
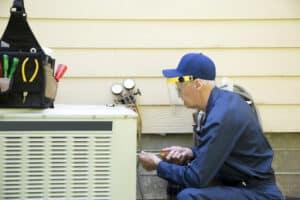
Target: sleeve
(194, 150)
(219, 142)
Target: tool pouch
(32, 85)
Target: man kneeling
(231, 145)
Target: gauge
(116, 89)
(129, 84)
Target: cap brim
(170, 73)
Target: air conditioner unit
(68, 153)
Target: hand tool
(5, 65)
(36, 70)
(60, 71)
(164, 153)
(13, 67)
(24, 78)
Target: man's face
(188, 93)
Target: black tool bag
(32, 84)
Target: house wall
(255, 43)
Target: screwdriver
(5, 65)
(13, 67)
(164, 153)
(60, 71)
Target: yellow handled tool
(36, 70)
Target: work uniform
(232, 149)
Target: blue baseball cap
(196, 65)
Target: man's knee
(187, 194)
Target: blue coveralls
(233, 149)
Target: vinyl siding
(255, 43)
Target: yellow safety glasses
(180, 79)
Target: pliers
(36, 70)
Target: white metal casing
(68, 153)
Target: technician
(232, 148)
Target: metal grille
(55, 167)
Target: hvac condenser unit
(68, 153)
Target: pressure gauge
(129, 84)
(116, 89)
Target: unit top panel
(71, 111)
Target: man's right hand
(177, 154)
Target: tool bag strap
(18, 35)
(19, 5)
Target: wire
(139, 128)
(139, 148)
(130, 100)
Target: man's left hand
(149, 160)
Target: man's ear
(198, 83)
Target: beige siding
(166, 33)
(104, 42)
(274, 118)
(279, 109)
(155, 90)
(254, 42)
(131, 62)
(157, 9)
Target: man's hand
(177, 154)
(149, 160)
